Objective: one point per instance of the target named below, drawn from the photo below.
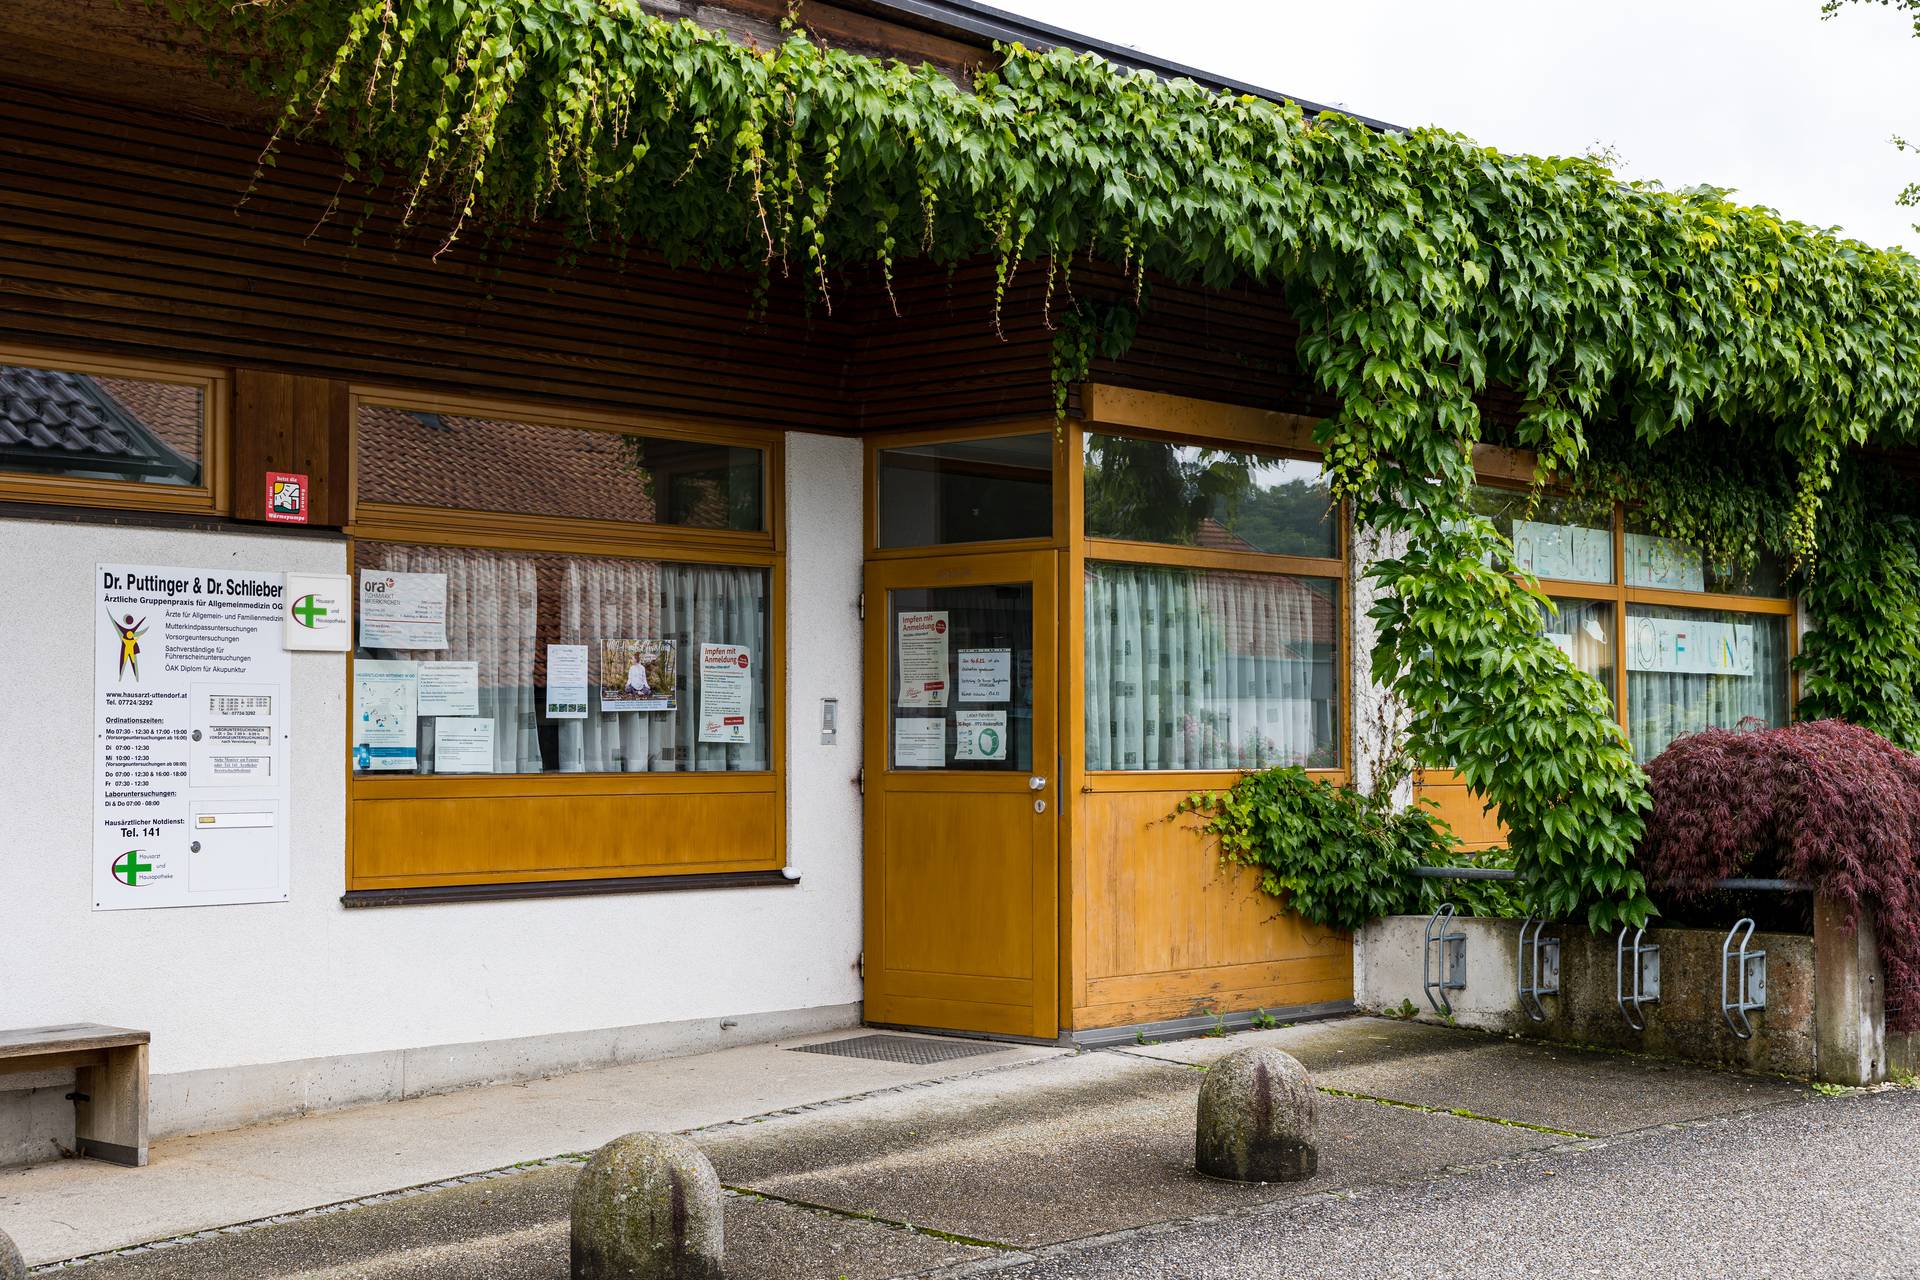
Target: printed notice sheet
(986, 675)
(726, 693)
(386, 715)
(919, 743)
(979, 734)
(463, 744)
(191, 721)
(566, 682)
(449, 688)
(923, 659)
(402, 610)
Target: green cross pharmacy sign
(319, 612)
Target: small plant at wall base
(1826, 803)
(1424, 271)
(1338, 856)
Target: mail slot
(232, 849)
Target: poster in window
(726, 694)
(979, 734)
(449, 688)
(566, 682)
(985, 675)
(463, 744)
(923, 659)
(386, 714)
(638, 675)
(919, 743)
(402, 610)
(1689, 646)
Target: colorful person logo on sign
(129, 632)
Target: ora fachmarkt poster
(191, 719)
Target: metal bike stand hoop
(1745, 971)
(1449, 946)
(1538, 965)
(1636, 975)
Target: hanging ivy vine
(1422, 267)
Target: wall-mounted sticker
(319, 612)
(287, 497)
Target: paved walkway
(1443, 1152)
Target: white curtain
(1661, 706)
(1192, 669)
(493, 610)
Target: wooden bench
(110, 1093)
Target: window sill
(429, 895)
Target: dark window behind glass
(1220, 499)
(967, 491)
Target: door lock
(1036, 783)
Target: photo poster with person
(638, 675)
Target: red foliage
(1824, 802)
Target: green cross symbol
(128, 867)
(306, 611)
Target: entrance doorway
(962, 772)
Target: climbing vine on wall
(1422, 268)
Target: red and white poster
(923, 659)
(726, 694)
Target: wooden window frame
(1150, 415)
(1513, 473)
(211, 496)
(494, 531)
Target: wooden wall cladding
(1167, 932)
(284, 422)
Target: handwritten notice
(1664, 562)
(1685, 646)
(985, 675)
(1570, 552)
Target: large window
(1701, 645)
(1212, 608)
(566, 659)
(100, 433)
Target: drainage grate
(915, 1050)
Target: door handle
(1036, 783)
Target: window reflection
(1219, 499)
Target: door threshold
(1204, 1024)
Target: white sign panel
(1689, 647)
(191, 719)
(386, 715)
(726, 693)
(566, 682)
(319, 612)
(979, 734)
(1565, 551)
(463, 744)
(1664, 562)
(449, 689)
(923, 659)
(402, 610)
(985, 675)
(919, 743)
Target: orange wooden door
(962, 794)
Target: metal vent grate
(915, 1050)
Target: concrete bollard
(12, 1265)
(647, 1207)
(1256, 1119)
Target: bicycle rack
(1635, 984)
(1451, 946)
(1748, 972)
(1539, 973)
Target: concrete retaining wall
(1824, 1017)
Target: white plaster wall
(221, 987)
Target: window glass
(960, 677)
(489, 464)
(1191, 496)
(1653, 561)
(1554, 535)
(1202, 669)
(1693, 669)
(1583, 630)
(577, 664)
(57, 423)
(966, 491)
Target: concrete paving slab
(79, 1207)
(1064, 1149)
(1518, 1080)
(517, 1226)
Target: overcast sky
(1759, 95)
